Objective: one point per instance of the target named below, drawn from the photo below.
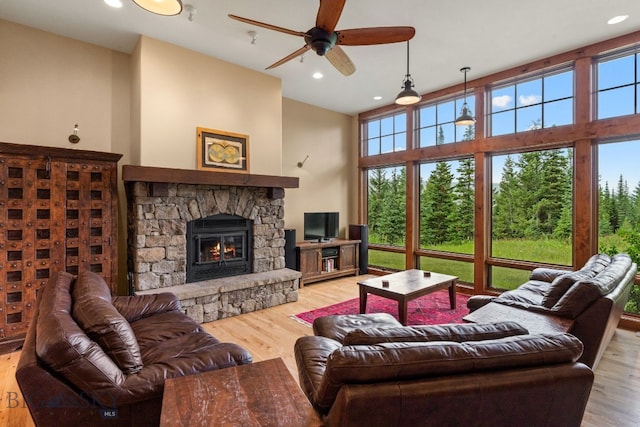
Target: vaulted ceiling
(488, 36)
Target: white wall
(49, 83)
(181, 90)
(328, 181)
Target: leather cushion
(406, 361)
(561, 285)
(338, 326)
(96, 315)
(451, 332)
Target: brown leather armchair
(446, 375)
(90, 359)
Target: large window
(532, 103)
(618, 85)
(434, 123)
(386, 135)
(386, 203)
(447, 201)
(619, 204)
(533, 187)
(532, 211)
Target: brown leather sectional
(91, 360)
(592, 297)
(446, 375)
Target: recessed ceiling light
(377, 98)
(317, 75)
(114, 3)
(617, 19)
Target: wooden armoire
(58, 211)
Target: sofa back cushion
(584, 292)
(96, 315)
(560, 285)
(425, 333)
(64, 347)
(405, 361)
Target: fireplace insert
(219, 246)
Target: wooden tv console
(327, 260)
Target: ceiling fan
(324, 40)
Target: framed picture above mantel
(222, 151)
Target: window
(534, 103)
(386, 215)
(447, 202)
(532, 210)
(618, 85)
(434, 123)
(619, 204)
(386, 135)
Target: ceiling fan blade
(288, 58)
(267, 26)
(374, 35)
(339, 59)
(329, 13)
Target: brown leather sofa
(446, 375)
(592, 297)
(90, 359)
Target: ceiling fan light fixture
(408, 96)
(161, 7)
(465, 118)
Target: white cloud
(529, 100)
(501, 101)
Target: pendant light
(465, 119)
(408, 96)
(161, 7)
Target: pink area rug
(432, 309)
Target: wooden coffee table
(405, 286)
(258, 394)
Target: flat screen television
(319, 226)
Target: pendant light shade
(407, 96)
(161, 7)
(465, 119)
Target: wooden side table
(258, 394)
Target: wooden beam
(132, 173)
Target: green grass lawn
(548, 251)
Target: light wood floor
(614, 401)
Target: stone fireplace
(234, 261)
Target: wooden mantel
(132, 173)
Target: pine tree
(461, 222)
(439, 205)
(505, 203)
(378, 191)
(394, 209)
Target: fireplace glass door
(220, 248)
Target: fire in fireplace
(218, 246)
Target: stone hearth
(161, 202)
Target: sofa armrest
(312, 353)
(476, 301)
(547, 274)
(136, 307)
